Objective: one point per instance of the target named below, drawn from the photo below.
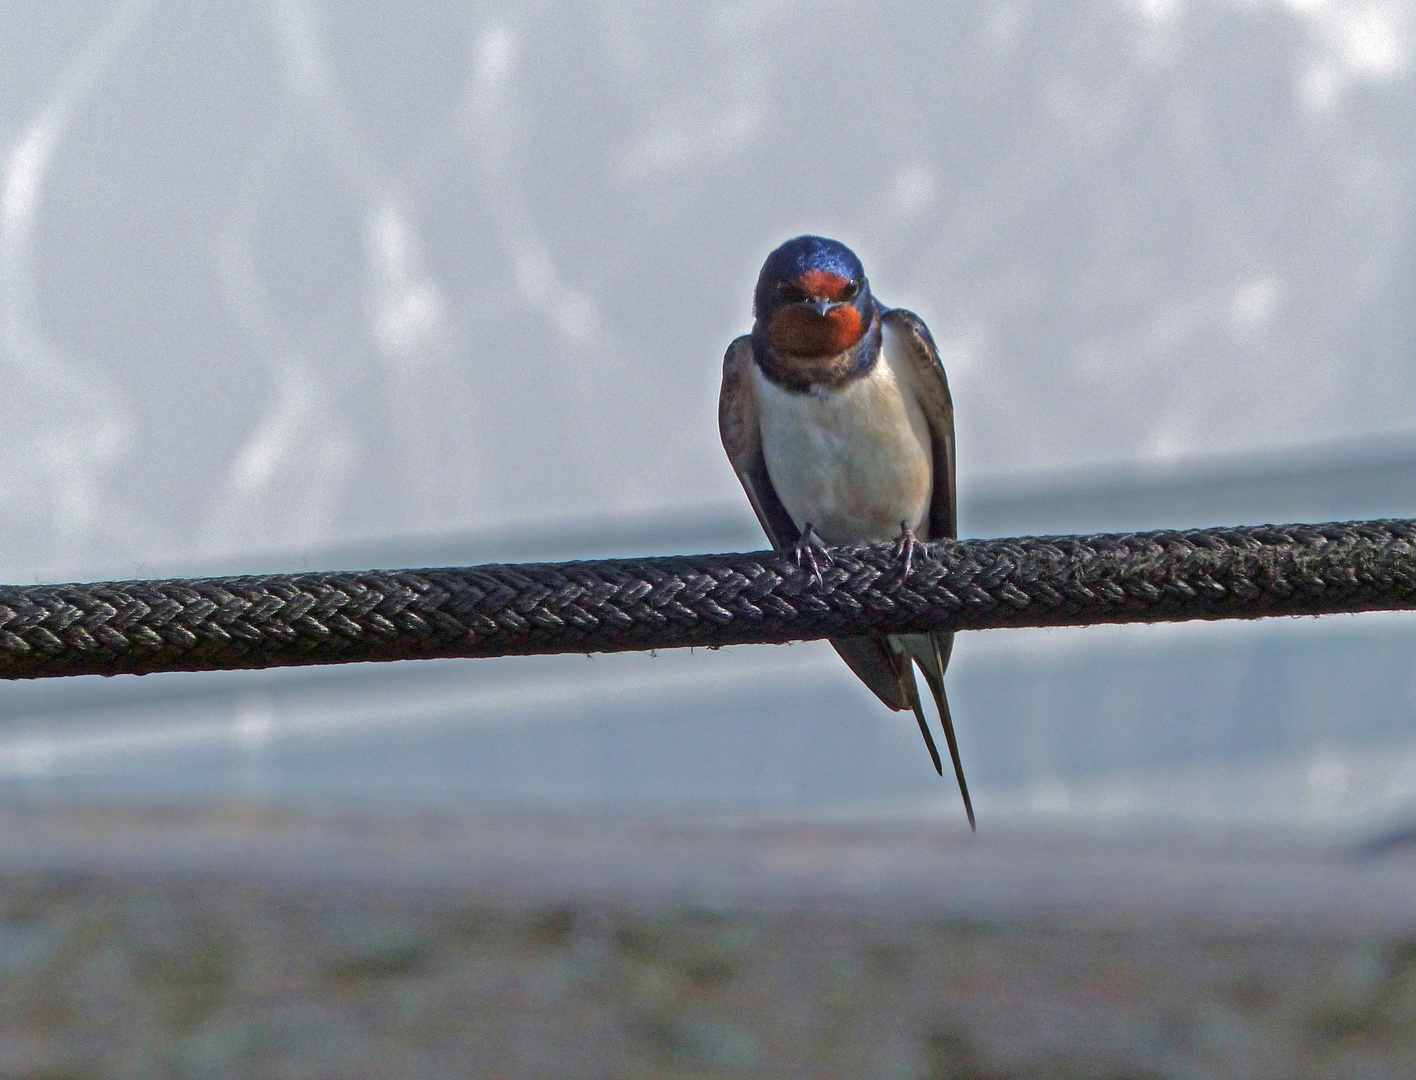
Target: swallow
(836, 416)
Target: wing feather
(931, 651)
(741, 433)
(932, 386)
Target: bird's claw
(806, 551)
(906, 546)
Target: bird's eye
(851, 291)
(787, 291)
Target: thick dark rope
(707, 600)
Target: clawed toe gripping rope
(614, 605)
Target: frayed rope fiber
(614, 605)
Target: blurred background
(300, 285)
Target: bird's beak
(821, 307)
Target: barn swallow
(836, 416)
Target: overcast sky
(289, 273)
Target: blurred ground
(230, 943)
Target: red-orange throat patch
(800, 332)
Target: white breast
(853, 463)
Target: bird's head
(812, 300)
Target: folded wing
(931, 388)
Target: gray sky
(289, 273)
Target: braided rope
(707, 600)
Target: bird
(836, 417)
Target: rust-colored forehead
(823, 284)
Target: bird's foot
(906, 546)
(806, 551)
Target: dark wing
(872, 661)
(876, 666)
(932, 386)
(742, 439)
(931, 651)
